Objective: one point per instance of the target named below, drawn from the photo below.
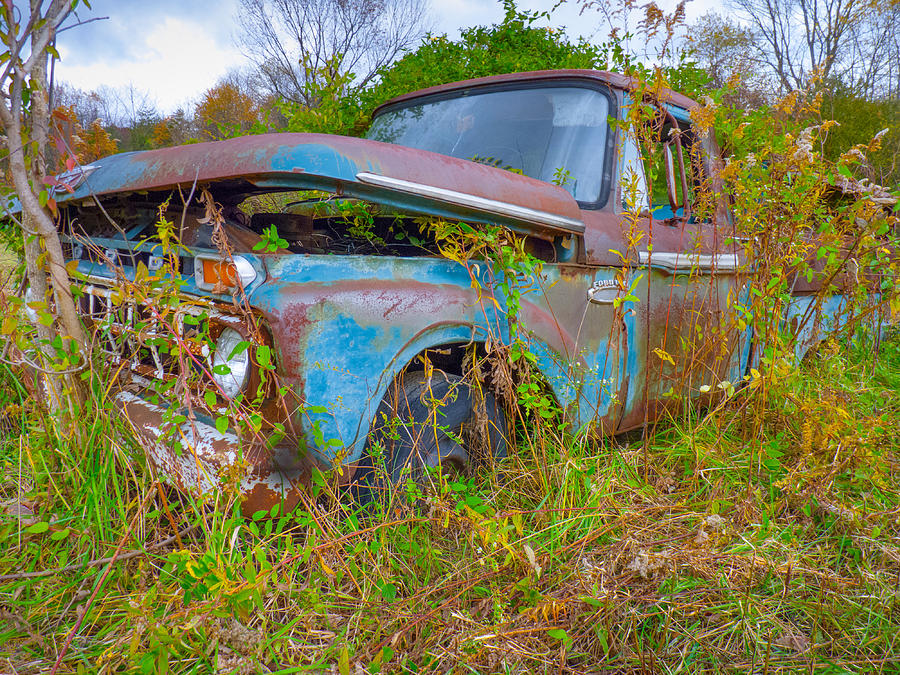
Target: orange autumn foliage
(225, 111)
(93, 143)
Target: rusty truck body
(345, 315)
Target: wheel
(438, 422)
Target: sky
(177, 49)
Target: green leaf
(558, 634)
(239, 348)
(38, 528)
(210, 398)
(264, 355)
(388, 592)
(222, 424)
(61, 534)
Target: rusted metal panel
(683, 337)
(345, 328)
(195, 456)
(606, 239)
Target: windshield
(554, 134)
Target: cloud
(176, 49)
(123, 35)
(175, 58)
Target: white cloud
(176, 61)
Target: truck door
(684, 332)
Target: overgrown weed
(710, 559)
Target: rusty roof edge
(615, 80)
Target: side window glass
(632, 180)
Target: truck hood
(396, 176)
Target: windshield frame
(519, 85)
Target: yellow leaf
(344, 662)
(664, 355)
(326, 568)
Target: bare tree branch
(293, 41)
(797, 38)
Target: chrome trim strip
(472, 201)
(73, 178)
(687, 262)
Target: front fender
(345, 327)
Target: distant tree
(860, 119)
(137, 131)
(871, 65)
(795, 38)
(724, 49)
(246, 79)
(175, 129)
(93, 142)
(298, 43)
(225, 111)
(127, 105)
(128, 113)
(85, 106)
(71, 138)
(516, 44)
(854, 43)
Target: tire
(437, 422)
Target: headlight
(231, 366)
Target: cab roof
(613, 80)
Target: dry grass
(9, 260)
(713, 557)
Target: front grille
(123, 257)
(154, 340)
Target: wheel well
(457, 359)
(451, 357)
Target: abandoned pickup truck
(319, 273)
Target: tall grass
(709, 558)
